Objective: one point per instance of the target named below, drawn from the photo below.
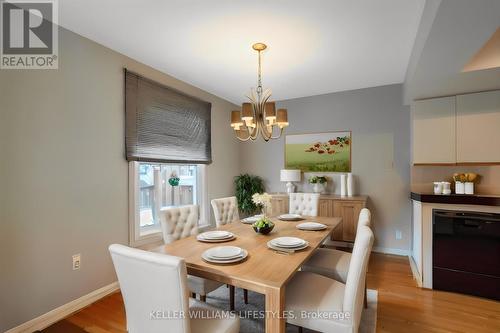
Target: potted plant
(245, 186)
(264, 225)
(319, 183)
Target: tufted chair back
(365, 218)
(304, 204)
(225, 210)
(179, 222)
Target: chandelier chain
(259, 81)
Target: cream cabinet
(434, 131)
(478, 127)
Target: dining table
(264, 270)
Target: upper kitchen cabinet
(434, 139)
(478, 127)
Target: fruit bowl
(263, 226)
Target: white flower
(262, 199)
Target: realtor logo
(29, 34)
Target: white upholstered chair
(153, 284)
(315, 293)
(225, 210)
(334, 263)
(305, 204)
(181, 222)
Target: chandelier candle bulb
(270, 112)
(236, 121)
(282, 118)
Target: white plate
(251, 219)
(218, 234)
(289, 242)
(243, 255)
(223, 252)
(279, 248)
(290, 217)
(311, 226)
(203, 239)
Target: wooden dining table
(265, 271)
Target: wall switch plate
(399, 235)
(76, 261)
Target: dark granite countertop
(457, 199)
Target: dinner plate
(311, 226)
(241, 257)
(288, 242)
(290, 217)
(203, 239)
(223, 252)
(286, 249)
(251, 219)
(217, 234)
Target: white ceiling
(457, 32)
(315, 46)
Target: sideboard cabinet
(330, 205)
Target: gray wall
(64, 178)
(380, 127)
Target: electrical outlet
(399, 235)
(77, 262)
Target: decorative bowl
(263, 229)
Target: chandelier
(260, 115)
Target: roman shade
(165, 125)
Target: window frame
(151, 234)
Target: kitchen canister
(469, 188)
(446, 187)
(459, 188)
(343, 185)
(438, 187)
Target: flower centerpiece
(264, 225)
(319, 183)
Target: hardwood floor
(402, 306)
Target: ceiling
(456, 31)
(315, 46)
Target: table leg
(275, 305)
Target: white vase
(459, 188)
(318, 188)
(469, 188)
(350, 185)
(343, 185)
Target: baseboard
(65, 310)
(388, 250)
(414, 271)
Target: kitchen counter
(457, 199)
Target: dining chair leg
(245, 296)
(203, 298)
(193, 295)
(231, 298)
(365, 301)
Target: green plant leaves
(245, 186)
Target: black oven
(466, 252)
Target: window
(167, 143)
(159, 185)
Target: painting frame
(310, 152)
